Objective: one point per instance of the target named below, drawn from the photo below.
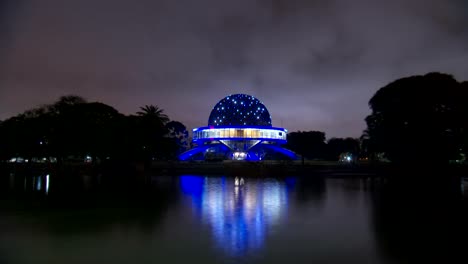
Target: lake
(196, 219)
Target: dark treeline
(74, 129)
(418, 119)
(413, 119)
(313, 145)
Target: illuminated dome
(239, 128)
(239, 110)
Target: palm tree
(153, 112)
(151, 129)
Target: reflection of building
(238, 216)
(239, 128)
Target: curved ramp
(189, 153)
(283, 151)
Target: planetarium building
(239, 128)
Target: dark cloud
(314, 64)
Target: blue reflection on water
(191, 185)
(290, 182)
(239, 216)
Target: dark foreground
(120, 218)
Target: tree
(64, 103)
(462, 98)
(73, 127)
(308, 144)
(418, 119)
(68, 127)
(337, 146)
(153, 112)
(365, 146)
(151, 127)
(179, 132)
(25, 134)
(96, 129)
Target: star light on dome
(252, 113)
(238, 124)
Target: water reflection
(311, 191)
(41, 183)
(77, 204)
(37, 184)
(113, 218)
(414, 224)
(239, 216)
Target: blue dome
(239, 110)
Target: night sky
(314, 64)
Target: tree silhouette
(153, 112)
(366, 148)
(151, 121)
(73, 128)
(418, 119)
(63, 103)
(337, 146)
(179, 132)
(308, 144)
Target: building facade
(239, 128)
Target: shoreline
(235, 168)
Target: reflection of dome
(240, 217)
(239, 110)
